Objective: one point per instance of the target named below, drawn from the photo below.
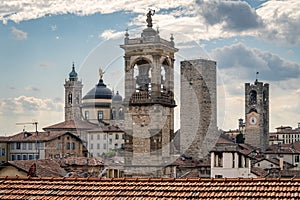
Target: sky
(39, 41)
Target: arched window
(121, 113)
(113, 114)
(252, 97)
(70, 98)
(142, 75)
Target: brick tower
(149, 100)
(257, 114)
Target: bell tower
(149, 101)
(257, 114)
(73, 95)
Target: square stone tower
(73, 96)
(257, 114)
(149, 104)
(198, 108)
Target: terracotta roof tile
(40, 136)
(72, 124)
(129, 188)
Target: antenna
(36, 139)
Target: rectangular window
(91, 146)
(30, 146)
(41, 146)
(24, 157)
(98, 146)
(296, 158)
(18, 146)
(104, 146)
(30, 157)
(19, 157)
(123, 136)
(24, 146)
(73, 145)
(104, 137)
(100, 115)
(3, 152)
(98, 137)
(92, 136)
(12, 146)
(110, 141)
(117, 136)
(59, 146)
(12, 157)
(86, 115)
(68, 146)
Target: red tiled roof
(80, 161)
(72, 124)
(40, 136)
(148, 188)
(45, 167)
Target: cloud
(27, 9)
(32, 88)
(231, 15)
(111, 34)
(24, 104)
(245, 61)
(282, 19)
(18, 34)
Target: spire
(73, 74)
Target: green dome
(73, 74)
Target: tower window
(77, 99)
(121, 114)
(253, 97)
(114, 113)
(86, 115)
(70, 98)
(100, 115)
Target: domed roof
(100, 91)
(117, 97)
(73, 74)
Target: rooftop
(148, 188)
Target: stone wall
(198, 111)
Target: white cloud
(18, 34)
(111, 34)
(31, 88)
(282, 19)
(24, 104)
(27, 9)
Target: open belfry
(149, 98)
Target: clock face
(253, 120)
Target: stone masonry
(198, 111)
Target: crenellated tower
(257, 114)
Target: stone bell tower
(73, 95)
(149, 100)
(257, 114)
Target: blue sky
(39, 42)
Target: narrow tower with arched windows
(257, 114)
(149, 103)
(73, 95)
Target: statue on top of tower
(101, 72)
(149, 18)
